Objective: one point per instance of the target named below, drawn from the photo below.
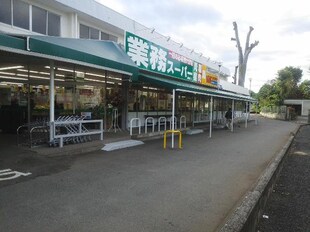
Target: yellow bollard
(174, 132)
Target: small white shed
(301, 106)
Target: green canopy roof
(100, 54)
(182, 86)
(9, 42)
(105, 54)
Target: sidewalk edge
(246, 215)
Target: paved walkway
(146, 188)
(287, 208)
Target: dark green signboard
(152, 57)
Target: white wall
(305, 105)
(100, 12)
(94, 14)
(234, 88)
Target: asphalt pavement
(142, 188)
(287, 208)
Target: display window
(148, 99)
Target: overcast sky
(281, 27)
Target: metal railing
(182, 121)
(131, 125)
(146, 124)
(162, 121)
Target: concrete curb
(246, 216)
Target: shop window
(133, 100)
(151, 101)
(21, 14)
(87, 32)
(104, 36)
(39, 18)
(45, 22)
(53, 25)
(113, 38)
(5, 12)
(142, 95)
(84, 32)
(94, 33)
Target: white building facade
(64, 34)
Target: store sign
(152, 57)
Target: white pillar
(211, 117)
(172, 121)
(52, 100)
(246, 114)
(232, 115)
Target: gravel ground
(288, 207)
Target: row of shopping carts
(71, 129)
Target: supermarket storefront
(85, 75)
(98, 78)
(198, 89)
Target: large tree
(304, 89)
(243, 57)
(285, 86)
(287, 82)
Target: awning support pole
(28, 100)
(52, 100)
(246, 114)
(172, 121)
(232, 115)
(211, 116)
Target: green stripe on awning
(12, 42)
(169, 83)
(106, 54)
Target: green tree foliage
(287, 83)
(268, 95)
(285, 86)
(304, 89)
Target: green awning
(182, 86)
(105, 54)
(8, 42)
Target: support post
(172, 121)
(232, 115)
(28, 102)
(52, 100)
(246, 114)
(211, 117)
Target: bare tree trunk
(243, 58)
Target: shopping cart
(72, 128)
(33, 134)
